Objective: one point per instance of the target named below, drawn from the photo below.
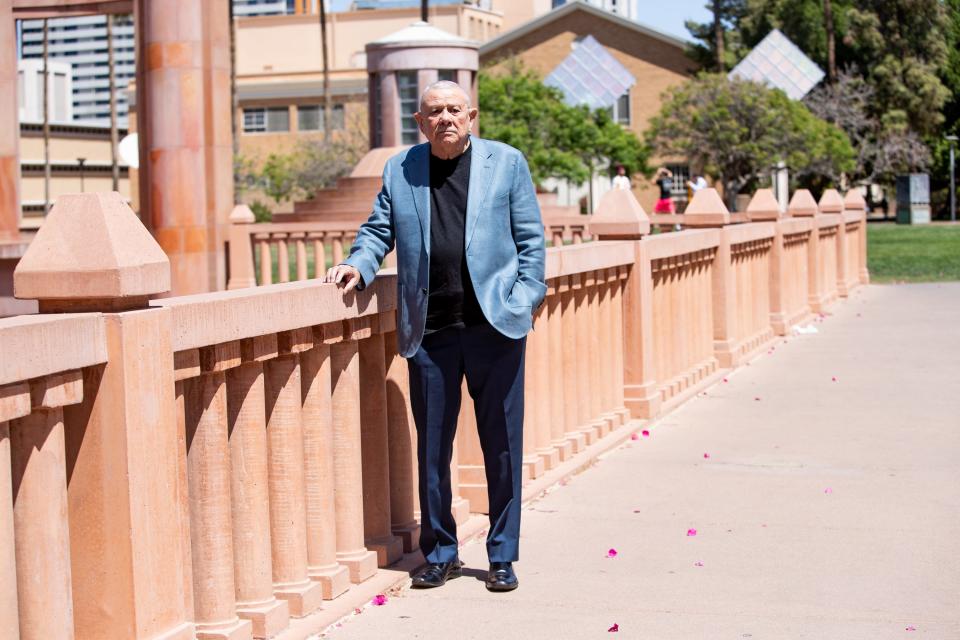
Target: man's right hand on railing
(344, 275)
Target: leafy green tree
(278, 177)
(559, 141)
(738, 130)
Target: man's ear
(473, 115)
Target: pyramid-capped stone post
(803, 204)
(831, 202)
(853, 201)
(763, 206)
(92, 254)
(619, 217)
(706, 209)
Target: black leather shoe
(436, 574)
(501, 577)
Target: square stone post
(619, 216)
(242, 272)
(803, 205)
(765, 207)
(128, 540)
(706, 210)
(10, 129)
(832, 202)
(853, 201)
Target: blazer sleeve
(527, 227)
(376, 236)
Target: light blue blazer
(503, 238)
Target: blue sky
(663, 16)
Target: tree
(719, 46)
(738, 130)
(558, 140)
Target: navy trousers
(493, 366)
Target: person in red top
(664, 179)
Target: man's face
(444, 117)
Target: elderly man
(463, 214)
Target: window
(620, 111)
(310, 117)
(407, 87)
(261, 120)
(447, 74)
(23, 98)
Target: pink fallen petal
(379, 600)
(358, 610)
(726, 380)
(646, 434)
(910, 628)
(706, 456)
(756, 399)
(634, 436)
(698, 564)
(828, 490)
(614, 629)
(612, 553)
(833, 379)
(636, 511)
(691, 532)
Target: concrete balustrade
(236, 458)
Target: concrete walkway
(827, 509)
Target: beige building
(79, 161)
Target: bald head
(444, 85)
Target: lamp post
(81, 162)
(953, 181)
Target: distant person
(696, 183)
(664, 179)
(621, 180)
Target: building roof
(570, 7)
(398, 4)
(422, 33)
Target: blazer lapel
(481, 173)
(420, 188)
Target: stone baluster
(348, 487)
(250, 505)
(555, 348)
(9, 617)
(617, 320)
(402, 440)
(375, 448)
(319, 255)
(595, 354)
(301, 253)
(209, 482)
(41, 531)
(538, 381)
(607, 335)
(266, 259)
(459, 505)
(283, 258)
(582, 369)
(472, 480)
(286, 475)
(853, 201)
(570, 363)
(126, 490)
(532, 462)
(242, 274)
(318, 463)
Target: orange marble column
(39, 474)
(402, 440)
(211, 524)
(558, 437)
(322, 564)
(288, 527)
(9, 618)
(570, 400)
(183, 117)
(348, 487)
(375, 452)
(10, 131)
(250, 506)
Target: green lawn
(902, 253)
